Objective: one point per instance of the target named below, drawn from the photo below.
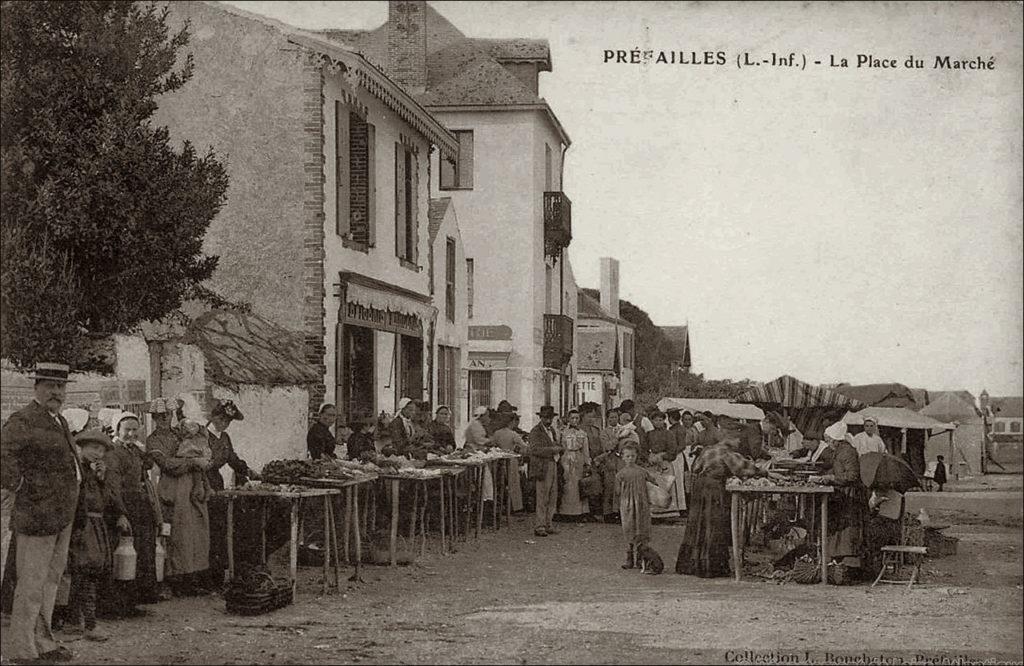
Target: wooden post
(394, 519)
(327, 542)
(511, 476)
(423, 517)
(453, 508)
(415, 510)
(954, 465)
(734, 523)
(231, 538)
(444, 543)
(334, 544)
(293, 546)
(824, 538)
(347, 527)
(356, 536)
(492, 469)
(263, 530)
(480, 498)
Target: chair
(909, 554)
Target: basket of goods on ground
(256, 592)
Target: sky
(835, 224)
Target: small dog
(649, 560)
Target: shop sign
(589, 388)
(487, 361)
(384, 320)
(500, 332)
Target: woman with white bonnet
(848, 505)
(127, 473)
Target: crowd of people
(76, 488)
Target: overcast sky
(860, 225)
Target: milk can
(124, 559)
(161, 559)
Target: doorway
(358, 376)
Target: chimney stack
(610, 285)
(407, 44)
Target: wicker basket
(257, 594)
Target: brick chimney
(610, 285)
(407, 44)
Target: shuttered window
(361, 182)
(469, 288)
(406, 204)
(450, 280)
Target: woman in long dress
(573, 461)
(707, 538)
(848, 505)
(507, 439)
(608, 463)
(184, 492)
(664, 460)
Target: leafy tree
(102, 220)
(656, 356)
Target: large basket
(257, 593)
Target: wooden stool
(909, 554)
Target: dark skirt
(91, 548)
(707, 537)
(847, 509)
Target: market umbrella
(882, 471)
(810, 408)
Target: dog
(649, 560)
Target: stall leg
(493, 471)
(355, 527)
(480, 499)
(334, 545)
(327, 544)
(453, 512)
(263, 530)
(347, 517)
(415, 511)
(423, 517)
(737, 550)
(231, 538)
(824, 539)
(293, 546)
(444, 543)
(511, 474)
(394, 520)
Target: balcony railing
(558, 333)
(557, 223)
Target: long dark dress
(442, 435)
(847, 506)
(184, 492)
(223, 453)
(320, 442)
(125, 481)
(707, 538)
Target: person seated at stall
(403, 426)
(476, 429)
(361, 440)
(319, 441)
(441, 430)
(816, 451)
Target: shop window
(406, 204)
(411, 368)
(449, 289)
(459, 175)
(479, 390)
(447, 377)
(357, 372)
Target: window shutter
(341, 173)
(414, 226)
(400, 228)
(465, 170)
(371, 184)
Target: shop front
(487, 370)
(380, 354)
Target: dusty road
(511, 597)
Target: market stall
(809, 408)
(756, 488)
(905, 432)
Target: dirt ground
(513, 598)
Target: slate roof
(680, 337)
(438, 207)
(1008, 407)
(460, 70)
(588, 306)
(242, 348)
(596, 349)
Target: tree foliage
(102, 219)
(656, 359)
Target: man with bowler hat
(38, 461)
(544, 452)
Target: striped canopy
(810, 408)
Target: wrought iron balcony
(558, 334)
(557, 223)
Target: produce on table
(288, 471)
(262, 486)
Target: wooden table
(736, 490)
(295, 498)
(446, 511)
(352, 522)
(504, 467)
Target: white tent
(898, 417)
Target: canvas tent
(810, 408)
(969, 439)
(881, 395)
(717, 406)
(906, 433)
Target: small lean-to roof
(1011, 407)
(438, 208)
(244, 348)
(596, 349)
(517, 49)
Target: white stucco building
(515, 219)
